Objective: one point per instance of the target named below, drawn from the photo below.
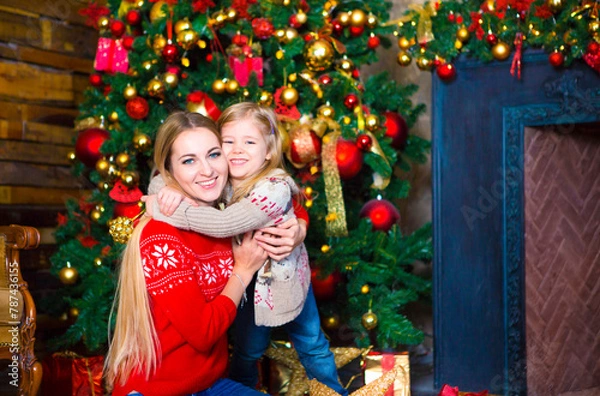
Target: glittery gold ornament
(344, 18)
(463, 34)
(232, 86)
(289, 96)
(129, 92)
(265, 98)
(181, 25)
(326, 111)
(158, 43)
(555, 5)
(345, 64)
(501, 51)
(120, 229)
(170, 79)
(155, 87)
(187, 38)
(404, 58)
(157, 12)
(130, 178)
(122, 160)
(371, 122)
(379, 387)
(318, 54)
(424, 63)
(358, 18)
(68, 275)
(369, 320)
(102, 167)
(371, 21)
(594, 27)
(218, 86)
(142, 142)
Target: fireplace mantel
(478, 210)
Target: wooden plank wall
(46, 56)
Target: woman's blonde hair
(134, 347)
(265, 119)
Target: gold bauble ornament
(463, 34)
(155, 87)
(404, 43)
(358, 18)
(594, 27)
(371, 21)
(301, 17)
(120, 229)
(279, 54)
(158, 43)
(404, 58)
(326, 111)
(147, 65)
(122, 160)
(170, 79)
(71, 156)
(157, 12)
(219, 19)
(104, 186)
(555, 5)
(68, 275)
(113, 172)
(318, 55)
(231, 14)
(187, 38)
(292, 77)
(365, 289)
(130, 178)
(289, 96)
(103, 22)
(232, 86)
(371, 122)
(332, 322)
(95, 215)
(458, 44)
(344, 18)
(346, 65)
(369, 320)
(501, 51)
(182, 25)
(113, 116)
(280, 34)
(102, 167)
(265, 98)
(142, 142)
(424, 63)
(569, 39)
(218, 86)
(73, 312)
(129, 92)
(98, 262)
(290, 34)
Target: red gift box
(71, 375)
(111, 56)
(242, 67)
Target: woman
(178, 290)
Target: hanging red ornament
(337, 27)
(305, 145)
(373, 42)
(446, 71)
(262, 28)
(121, 193)
(87, 146)
(133, 17)
(349, 158)
(325, 79)
(324, 287)
(351, 101)
(364, 142)
(117, 28)
(123, 209)
(396, 128)
(128, 42)
(137, 108)
(491, 39)
(556, 59)
(293, 21)
(382, 213)
(356, 74)
(356, 31)
(96, 80)
(593, 47)
(240, 40)
(170, 53)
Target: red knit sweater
(185, 274)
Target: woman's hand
(248, 257)
(280, 241)
(169, 199)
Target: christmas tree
(347, 142)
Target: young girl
(262, 196)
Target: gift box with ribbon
(376, 364)
(448, 390)
(242, 68)
(72, 375)
(111, 56)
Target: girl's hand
(280, 241)
(169, 199)
(248, 257)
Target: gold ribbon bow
(424, 28)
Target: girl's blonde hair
(134, 348)
(265, 119)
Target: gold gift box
(377, 364)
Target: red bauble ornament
(349, 158)
(446, 71)
(396, 128)
(96, 80)
(170, 53)
(556, 59)
(491, 39)
(87, 146)
(593, 47)
(382, 213)
(293, 21)
(128, 42)
(364, 142)
(325, 79)
(351, 101)
(262, 28)
(117, 28)
(240, 40)
(133, 17)
(137, 108)
(337, 27)
(356, 74)
(324, 288)
(126, 209)
(356, 31)
(373, 42)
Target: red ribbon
(111, 56)
(516, 63)
(448, 390)
(200, 97)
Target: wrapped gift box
(243, 66)
(111, 56)
(71, 375)
(377, 364)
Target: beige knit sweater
(280, 290)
